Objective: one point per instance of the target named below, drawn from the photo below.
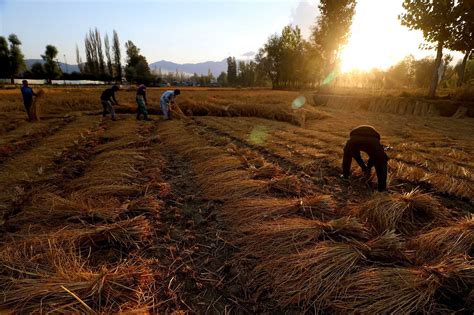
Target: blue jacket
(27, 93)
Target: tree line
(287, 60)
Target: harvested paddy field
(237, 208)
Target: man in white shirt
(167, 99)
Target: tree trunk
(434, 80)
(12, 80)
(462, 71)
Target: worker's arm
(114, 101)
(347, 159)
(144, 98)
(359, 161)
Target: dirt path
(190, 243)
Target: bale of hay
(405, 213)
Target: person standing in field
(167, 99)
(27, 94)
(366, 139)
(141, 102)
(108, 99)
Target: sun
(378, 40)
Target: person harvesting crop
(107, 99)
(27, 94)
(167, 99)
(366, 139)
(141, 102)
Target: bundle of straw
(286, 185)
(457, 238)
(389, 290)
(59, 280)
(127, 233)
(266, 171)
(35, 111)
(311, 276)
(289, 235)
(253, 210)
(50, 206)
(406, 213)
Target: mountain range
(216, 67)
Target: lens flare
(258, 135)
(298, 102)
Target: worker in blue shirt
(27, 94)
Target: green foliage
(283, 59)
(222, 79)
(13, 54)
(117, 57)
(37, 71)
(437, 19)
(4, 58)
(137, 68)
(51, 68)
(231, 71)
(95, 64)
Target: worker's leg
(381, 169)
(145, 112)
(165, 108)
(347, 160)
(105, 105)
(111, 109)
(28, 109)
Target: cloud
(248, 54)
(304, 15)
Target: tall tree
(463, 38)
(331, 30)
(107, 54)
(222, 79)
(51, 67)
(117, 57)
(436, 19)
(231, 71)
(137, 68)
(15, 57)
(4, 58)
(282, 58)
(80, 65)
(37, 71)
(100, 55)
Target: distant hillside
(66, 68)
(216, 67)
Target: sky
(190, 31)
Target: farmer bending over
(142, 102)
(366, 139)
(166, 100)
(108, 100)
(27, 94)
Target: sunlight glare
(378, 39)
